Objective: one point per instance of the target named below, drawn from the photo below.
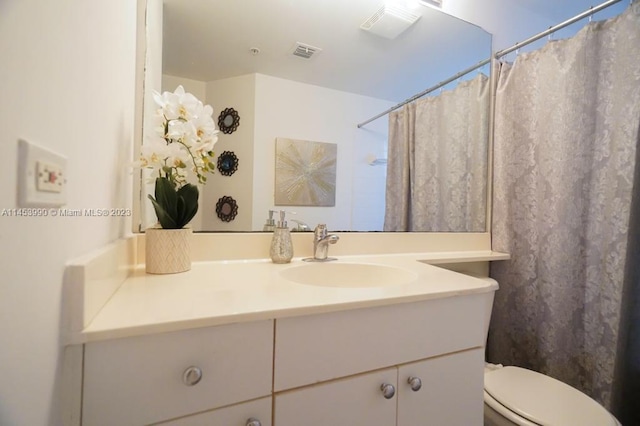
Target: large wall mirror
(306, 71)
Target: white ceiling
(211, 39)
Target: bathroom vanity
(253, 343)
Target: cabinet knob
(415, 383)
(192, 376)
(388, 391)
(253, 422)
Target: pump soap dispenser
(270, 225)
(281, 245)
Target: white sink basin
(348, 275)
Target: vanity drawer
(322, 347)
(235, 415)
(141, 380)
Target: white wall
(294, 110)
(67, 81)
(511, 22)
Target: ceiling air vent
(436, 3)
(390, 21)
(305, 51)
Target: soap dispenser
(281, 245)
(270, 225)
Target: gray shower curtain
(567, 125)
(437, 161)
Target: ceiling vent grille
(436, 3)
(390, 21)
(305, 51)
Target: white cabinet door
(258, 411)
(451, 392)
(352, 401)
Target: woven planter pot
(167, 251)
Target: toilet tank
(488, 306)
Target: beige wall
(295, 110)
(67, 81)
(237, 93)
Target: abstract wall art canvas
(305, 173)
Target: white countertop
(224, 292)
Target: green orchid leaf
(174, 208)
(180, 216)
(189, 194)
(167, 197)
(165, 219)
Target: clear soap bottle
(281, 246)
(270, 224)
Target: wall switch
(42, 176)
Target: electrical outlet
(50, 177)
(42, 176)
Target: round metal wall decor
(227, 163)
(228, 120)
(226, 208)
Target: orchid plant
(180, 150)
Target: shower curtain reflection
(437, 161)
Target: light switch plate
(42, 176)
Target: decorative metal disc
(228, 120)
(226, 208)
(227, 163)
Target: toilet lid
(543, 399)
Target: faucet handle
(300, 225)
(321, 229)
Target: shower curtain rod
(555, 28)
(498, 55)
(429, 90)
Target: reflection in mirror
(226, 209)
(436, 138)
(228, 121)
(247, 54)
(227, 163)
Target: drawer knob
(253, 422)
(414, 383)
(191, 376)
(388, 390)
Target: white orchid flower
(185, 135)
(178, 104)
(205, 126)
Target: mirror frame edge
(138, 120)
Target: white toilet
(517, 396)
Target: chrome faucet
(300, 226)
(321, 241)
